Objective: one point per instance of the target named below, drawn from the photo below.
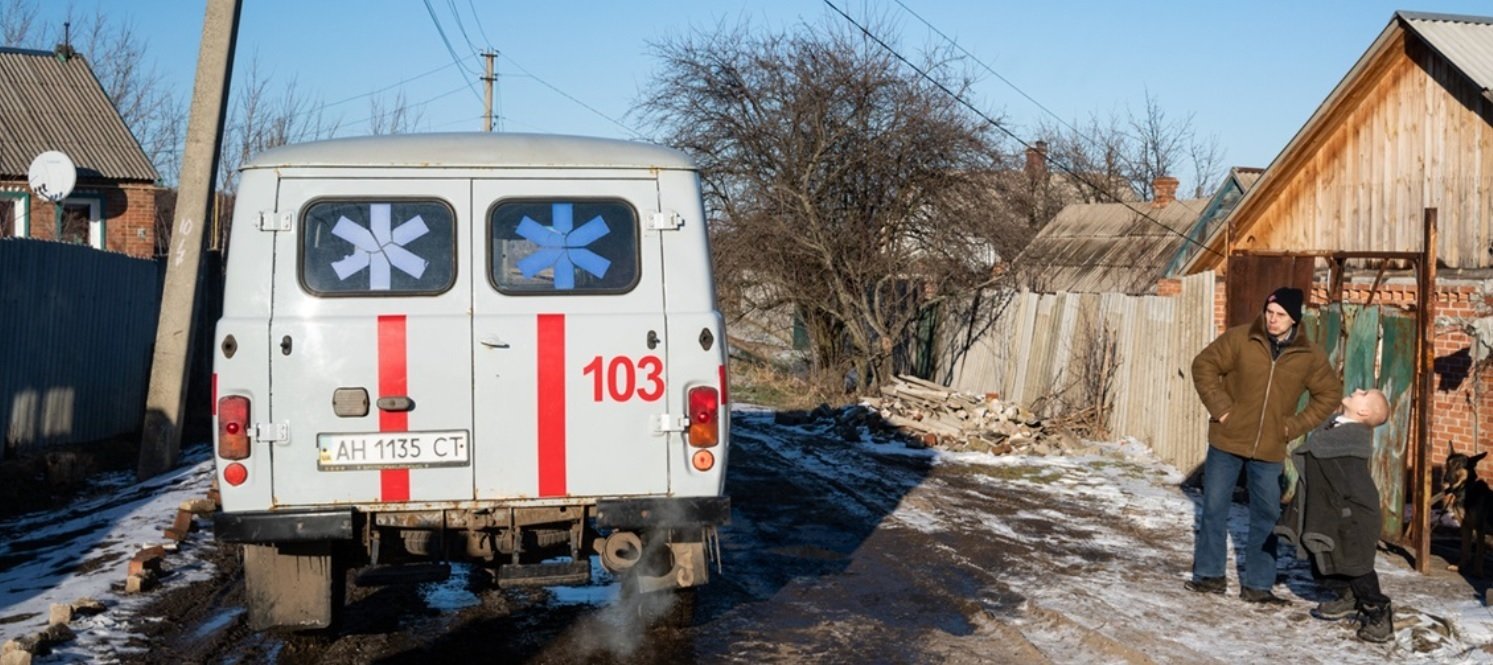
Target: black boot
(1207, 585)
(1343, 607)
(1378, 623)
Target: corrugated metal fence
(76, 330)
(1050, 352)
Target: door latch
(665, 220)
(665, 423)
(269, 220)
(272, 432)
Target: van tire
(296, 586)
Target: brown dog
(1471, 501)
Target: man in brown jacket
(1251, 379)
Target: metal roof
(1465, 41)
(456, 150)
(1106, 247)
(47, 103)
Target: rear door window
(563, 247)
(363, 247)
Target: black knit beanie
(1289, 299)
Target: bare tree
(261, 119)
(839, 183)
(16, 21)
(1207, 165)
(394, 116)
(1091, 160)
(1116, 158)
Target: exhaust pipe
(621, 550)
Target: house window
(82, 222)
(14, 215)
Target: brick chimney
(1036, 159)
(1165, 187)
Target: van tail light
(704, 417)
(233, 427)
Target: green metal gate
(1378, 351)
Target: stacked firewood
(936, 416)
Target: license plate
(393, 449)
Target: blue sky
(1250, 72)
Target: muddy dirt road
(851, 552)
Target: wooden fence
(77, 326)
(1063, 352)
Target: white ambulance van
(492, 348)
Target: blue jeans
(1209, 555)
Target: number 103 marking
(620, 376)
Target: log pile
(932, 415)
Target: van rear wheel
(299, 586)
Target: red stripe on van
(551, 398)
(393, 381)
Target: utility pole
(489, 79)
(169, 371)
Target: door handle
(492, 342)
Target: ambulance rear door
(371, 342)
(568, 323)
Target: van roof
(473, 149)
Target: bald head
(1369, 407)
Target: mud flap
(294, 586)
(689, 569)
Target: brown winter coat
(1235, 375)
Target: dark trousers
(1365, 587)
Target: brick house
(49, 101)
(1410, 127)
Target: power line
(993, 123)
(449, 49)
(460, 25)
(635, 133)
(416, 105)
(391, 86)
(1076, 131)
(480, 30)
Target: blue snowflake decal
(563, 246)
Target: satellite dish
(53, 175)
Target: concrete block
(148, 559)
(60, 614)
(88, 607)
(183, 521)
(206, 506)
(139, 583)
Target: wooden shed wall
(1414, 133)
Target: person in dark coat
(1334, 518)
(1251, 380)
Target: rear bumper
(337, 524)
(282, 527)
(682, 512)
